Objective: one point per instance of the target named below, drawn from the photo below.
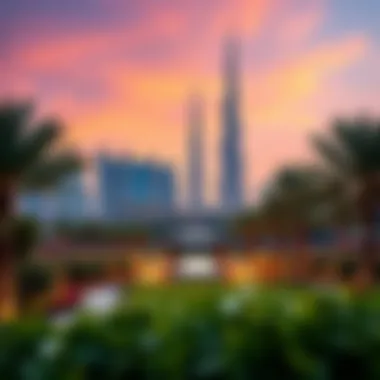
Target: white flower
(51, 347)
(231, 305)
(101, 301)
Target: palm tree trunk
(368, 211)
(368, 249)
(301, 254)
(7, 276)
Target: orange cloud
(149, 115)
(296, 80)
(285, 107)
(145, 110)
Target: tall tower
(231, 186)
(195, 154)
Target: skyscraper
(231, 159)
(70, 199)
(195, 155)
(131, 188)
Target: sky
(120, 72)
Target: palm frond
(13, 122)
(37, 143)
(358, 138)
(48, 173)
(13, 118)
(331, 154)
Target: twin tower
(231, 163)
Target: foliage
(352, 154)
(103, 233)
(377, 271)
(80, 272)
(26, 235)
(245, 225)
(282, 334)
(33, 280)
(294, 202)
(348, 269)
(352, 148)
(29, 156)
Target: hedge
(33, 280)
(264, 335)
(26, 233)
(348, 269)
(80, 272)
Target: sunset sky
(119, 72)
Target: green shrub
(377, 272)
(20, 346)
(33, 280)
(82, 272)
(26, 235)
(279, 334)
(348, 269)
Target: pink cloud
(144, 110)
(148, 115)
(297, 27)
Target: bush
(19, 350)
(33, 280)
(97, 233)
(26, 235)
(85, 272)
(348, 269)
(377, 272)
(262, 335)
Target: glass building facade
(130, 188)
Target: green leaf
(36, 143)
(54, 168)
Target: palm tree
(352, 155)
(245, 226)
(29, 158)
(295, 196)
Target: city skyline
(102, 65)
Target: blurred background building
(71, 200)
(195, 152)
(131, 189)
(66, 202)
(232, 170)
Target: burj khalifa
(231, 186)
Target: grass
(165, 301)
(181, 292)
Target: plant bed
(224, 334)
